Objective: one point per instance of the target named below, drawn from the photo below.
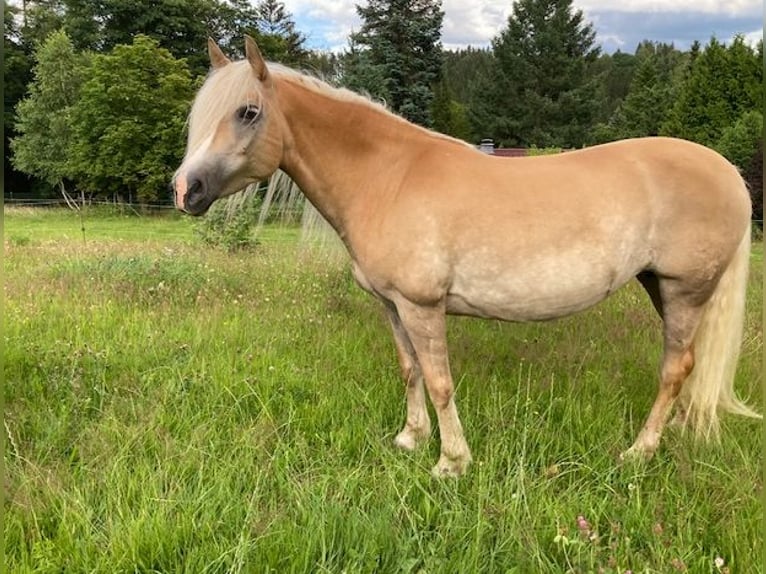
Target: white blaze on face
(180, 190)
(181, 182)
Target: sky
(619, 24)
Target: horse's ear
(256, 60)
(217, 58)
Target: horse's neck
(339, 151)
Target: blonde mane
(319, 86)
(229, 86)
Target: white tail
(717, 343)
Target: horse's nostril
(194, 186)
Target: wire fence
(53, 202)
(148, 209)
(96, 219)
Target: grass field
(175, 408)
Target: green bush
(229, 223)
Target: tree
(461, 68)
(722, 84)
(43, 146)
(326, 65)
(450, 116)
(39, 19)
(739, 141)
(753, 174)
(398, 50)
(129, 121)
(546, 92)
(276, 34)
(652, 92)
(17, 73)
(181, 27)
(360, 73)
(466, 75)
(616, 72)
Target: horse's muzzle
(191, 196)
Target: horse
(435, 227)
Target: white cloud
(752, 38)
(722, 7)
(473, 22)
(328, 23)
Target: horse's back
(536, 238)
(662, 189)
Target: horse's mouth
(197, 203)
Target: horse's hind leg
(651, 283)
(427, 330)
(417, 427)
(680, 320)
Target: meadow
(171, 407)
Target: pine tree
(722, 84)
(652, 92)
(616, 73)
(400, 41)
(546, 94)
(450, 116)
(277, 35)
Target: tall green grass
(176, 408)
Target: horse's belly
(534, 292)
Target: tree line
(97, 91)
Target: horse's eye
(248, 114)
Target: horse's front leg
(417, 427)
(426, 329)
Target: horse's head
(235, 131)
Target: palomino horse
(434, 226)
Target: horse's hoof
(409, 440)
(450, 468)
(636, 454)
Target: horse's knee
(441, 395)
(411, 374)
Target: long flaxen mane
(229, 87)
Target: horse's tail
(717, 342)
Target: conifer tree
(400, 40)
(722, 84)
(277, 35)
(546, 93)
(652, 92)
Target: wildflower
(719, 562)
(657, 528)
